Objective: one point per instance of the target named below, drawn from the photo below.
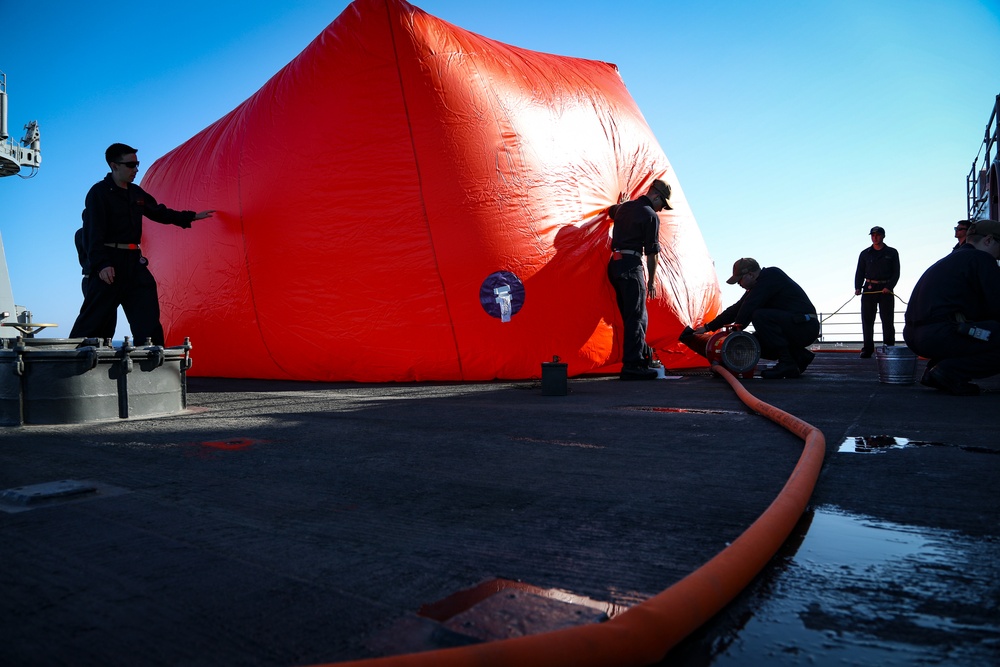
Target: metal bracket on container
(186, 364)
(91, 353)
(123, 353)
(18, 347)
(155, 353)
(126, 368)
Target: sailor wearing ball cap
(636, 232)
(874, 279)
(783, 317)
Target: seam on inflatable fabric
(246, 259)
(420, 182)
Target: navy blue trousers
(780, 331)
(134, 289)
(627, 277)
(956, 353)
(884, 304)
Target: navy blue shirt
(774, 289)
(967, 281)
(637, 227)
(114, 215)
(878, 265)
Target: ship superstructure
(15, 158)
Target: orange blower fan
(737, 351)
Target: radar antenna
(13, 155)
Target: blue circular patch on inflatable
(502, 295)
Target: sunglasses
(130, 165)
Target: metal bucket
(896, 364)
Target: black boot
(951, 384)
(803, 357)
(636, 372)
(785, 368)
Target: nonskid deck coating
(352, 506)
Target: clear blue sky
(793, 126)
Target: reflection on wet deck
(876, 444)
(860, 591)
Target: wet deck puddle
(852, 590)
(876, 444)
(845, 589)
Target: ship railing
(983, 175)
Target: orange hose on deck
(645, 633)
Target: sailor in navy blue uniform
(783, 317)
(636, 232)
(961, 230)
(108, 330)
(118, 272)
(953, 317)
(875, 279)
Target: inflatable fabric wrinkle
(497, 196)
(434, 158)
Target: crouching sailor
(783, 317)
(953, 317)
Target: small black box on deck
(554, 379)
